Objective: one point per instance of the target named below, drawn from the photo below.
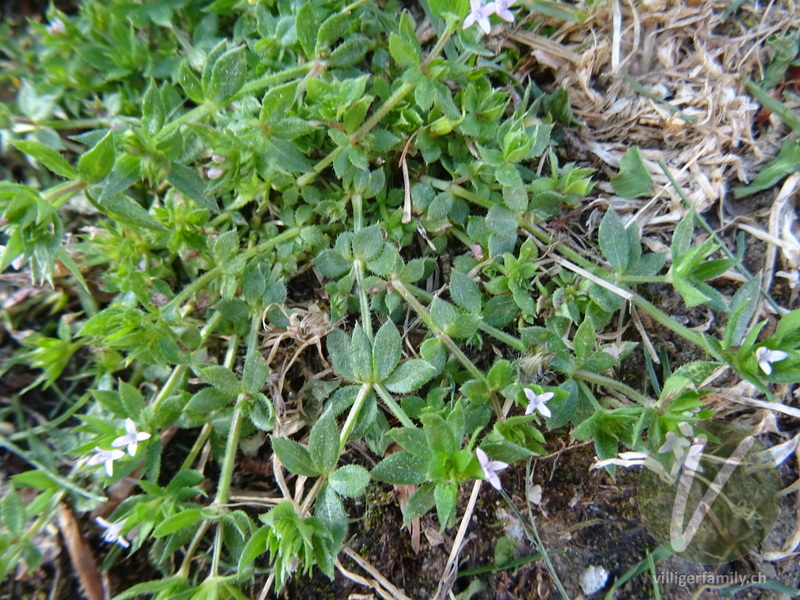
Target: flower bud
(214, 173)
(56, 27)
(216, 158)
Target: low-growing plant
(197, 171)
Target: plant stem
(378, 115)
(197, 446)
(613, 384)
(63, 192)
(456, 190)
(502, 336)
(209, 275)
(393, 406)
(358, 265)
(178, 372)
(422, 313)
(350, 423)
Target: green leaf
(614, 241)
(13, 512)
(306, 27)
(330, 511)
(349, 52)
(185, 518)
(190, 83)
(131, 400)
(227, 75)
(207, 401)
(294, 457)
(420, 503)
(222, 378)
(97, 163)
(187, 181)
(585, 340)
(409, 376)
(153, 110)
(332, 264)
(465, 291)
(255, 374)
(401, 468)
(226, 245)
(255, 547)
(323, 442)
(386, 351)
(349, 481)
(404, 52)
(126, 210)
(445, 493)
(743, 307)
(634, 179)
(340, 350)
(361, 357)
(331, 30)
(441, 439)
(368, 243)
(47, 156)
(127, 171)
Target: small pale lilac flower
(766, 357)
(216, 158)
(501, 9)
(214, 173)
(56, 27)
(105, 457)
(675, 444)
(131, 438)
(113, 531)
(479, 13)
(537, 402)
(491, 468)
(694, 454)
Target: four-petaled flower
(675, 444)
(131, 438)
(501, 9)
(56, 27)
(537, 401)
(479, 13)
(106, 457)
(766, 357)
(490, 468)
(113, 531)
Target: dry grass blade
(395, 593)
(80, 554)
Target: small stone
(593, 580)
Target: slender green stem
(224, 487)
(437, 49)
(62, 481)
(196, 114)
(669, 322)
(205, 432)
(269, 81)
(358, 266)
(183, 573)
(456, 190)
(539, 544)
(393, 406)
(634, 279)
(204, 279)
(179, 371)
(304, 180)
(423, 314)
(613, 384)
(392, 101)
(350, 423)
(62, 192)
(312, 494)
(502, 336)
